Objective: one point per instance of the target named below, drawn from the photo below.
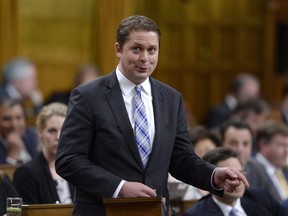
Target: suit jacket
(34, 182)
(257, 177)
(255, 202)
(30, 140)
(270, 187)
(97, 148)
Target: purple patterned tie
(141, 127)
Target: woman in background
(37, 181)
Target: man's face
(238, 193)
(240, 140)
(276, 151)
(12, 119)
(138, 57)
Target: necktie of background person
(282, 181)
(141, 126)
(233, 212)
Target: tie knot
(138, 90)
(233, 212)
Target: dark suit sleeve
(73, 155)
(185, 165)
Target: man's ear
(118, 50)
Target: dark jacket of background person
(34, 182)
(6, 190)
(254, 202)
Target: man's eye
(136, 49)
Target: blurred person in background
(272, 141)
(85, 73)
(20, 82)
(37, 181)
(250, 202)
(245, 85)
(238, 135)
(18, 142)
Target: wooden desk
(9, 169)
(134, 206)
(47, 210)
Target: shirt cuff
(11, 161)
(116, 193)
(215, 187)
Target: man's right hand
(136, 189)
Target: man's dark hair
(135, 23)
(250, 105)
(11, 102)
(218, 154)
(235, 123)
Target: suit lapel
(158, 108)
(115, 99)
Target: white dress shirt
(127, 89)
(227, 208)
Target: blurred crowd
(241, 122)
(31, 147)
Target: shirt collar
(227, 208)
(270, 169)
(127, 86)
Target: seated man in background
(37, 181)
(272, 140)
(254, 112)
(238, 135)
(240, 202)
(244, 86)
(20, 82)
(18, 143)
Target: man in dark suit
(99, 144)
(272, 143)
(240, 202)
(18, 142)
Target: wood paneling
(8, 30)
(277, 11)
(204, 44)
(58, 36)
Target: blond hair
(49, 110)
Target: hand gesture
(229, 178)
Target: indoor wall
(204, 43)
